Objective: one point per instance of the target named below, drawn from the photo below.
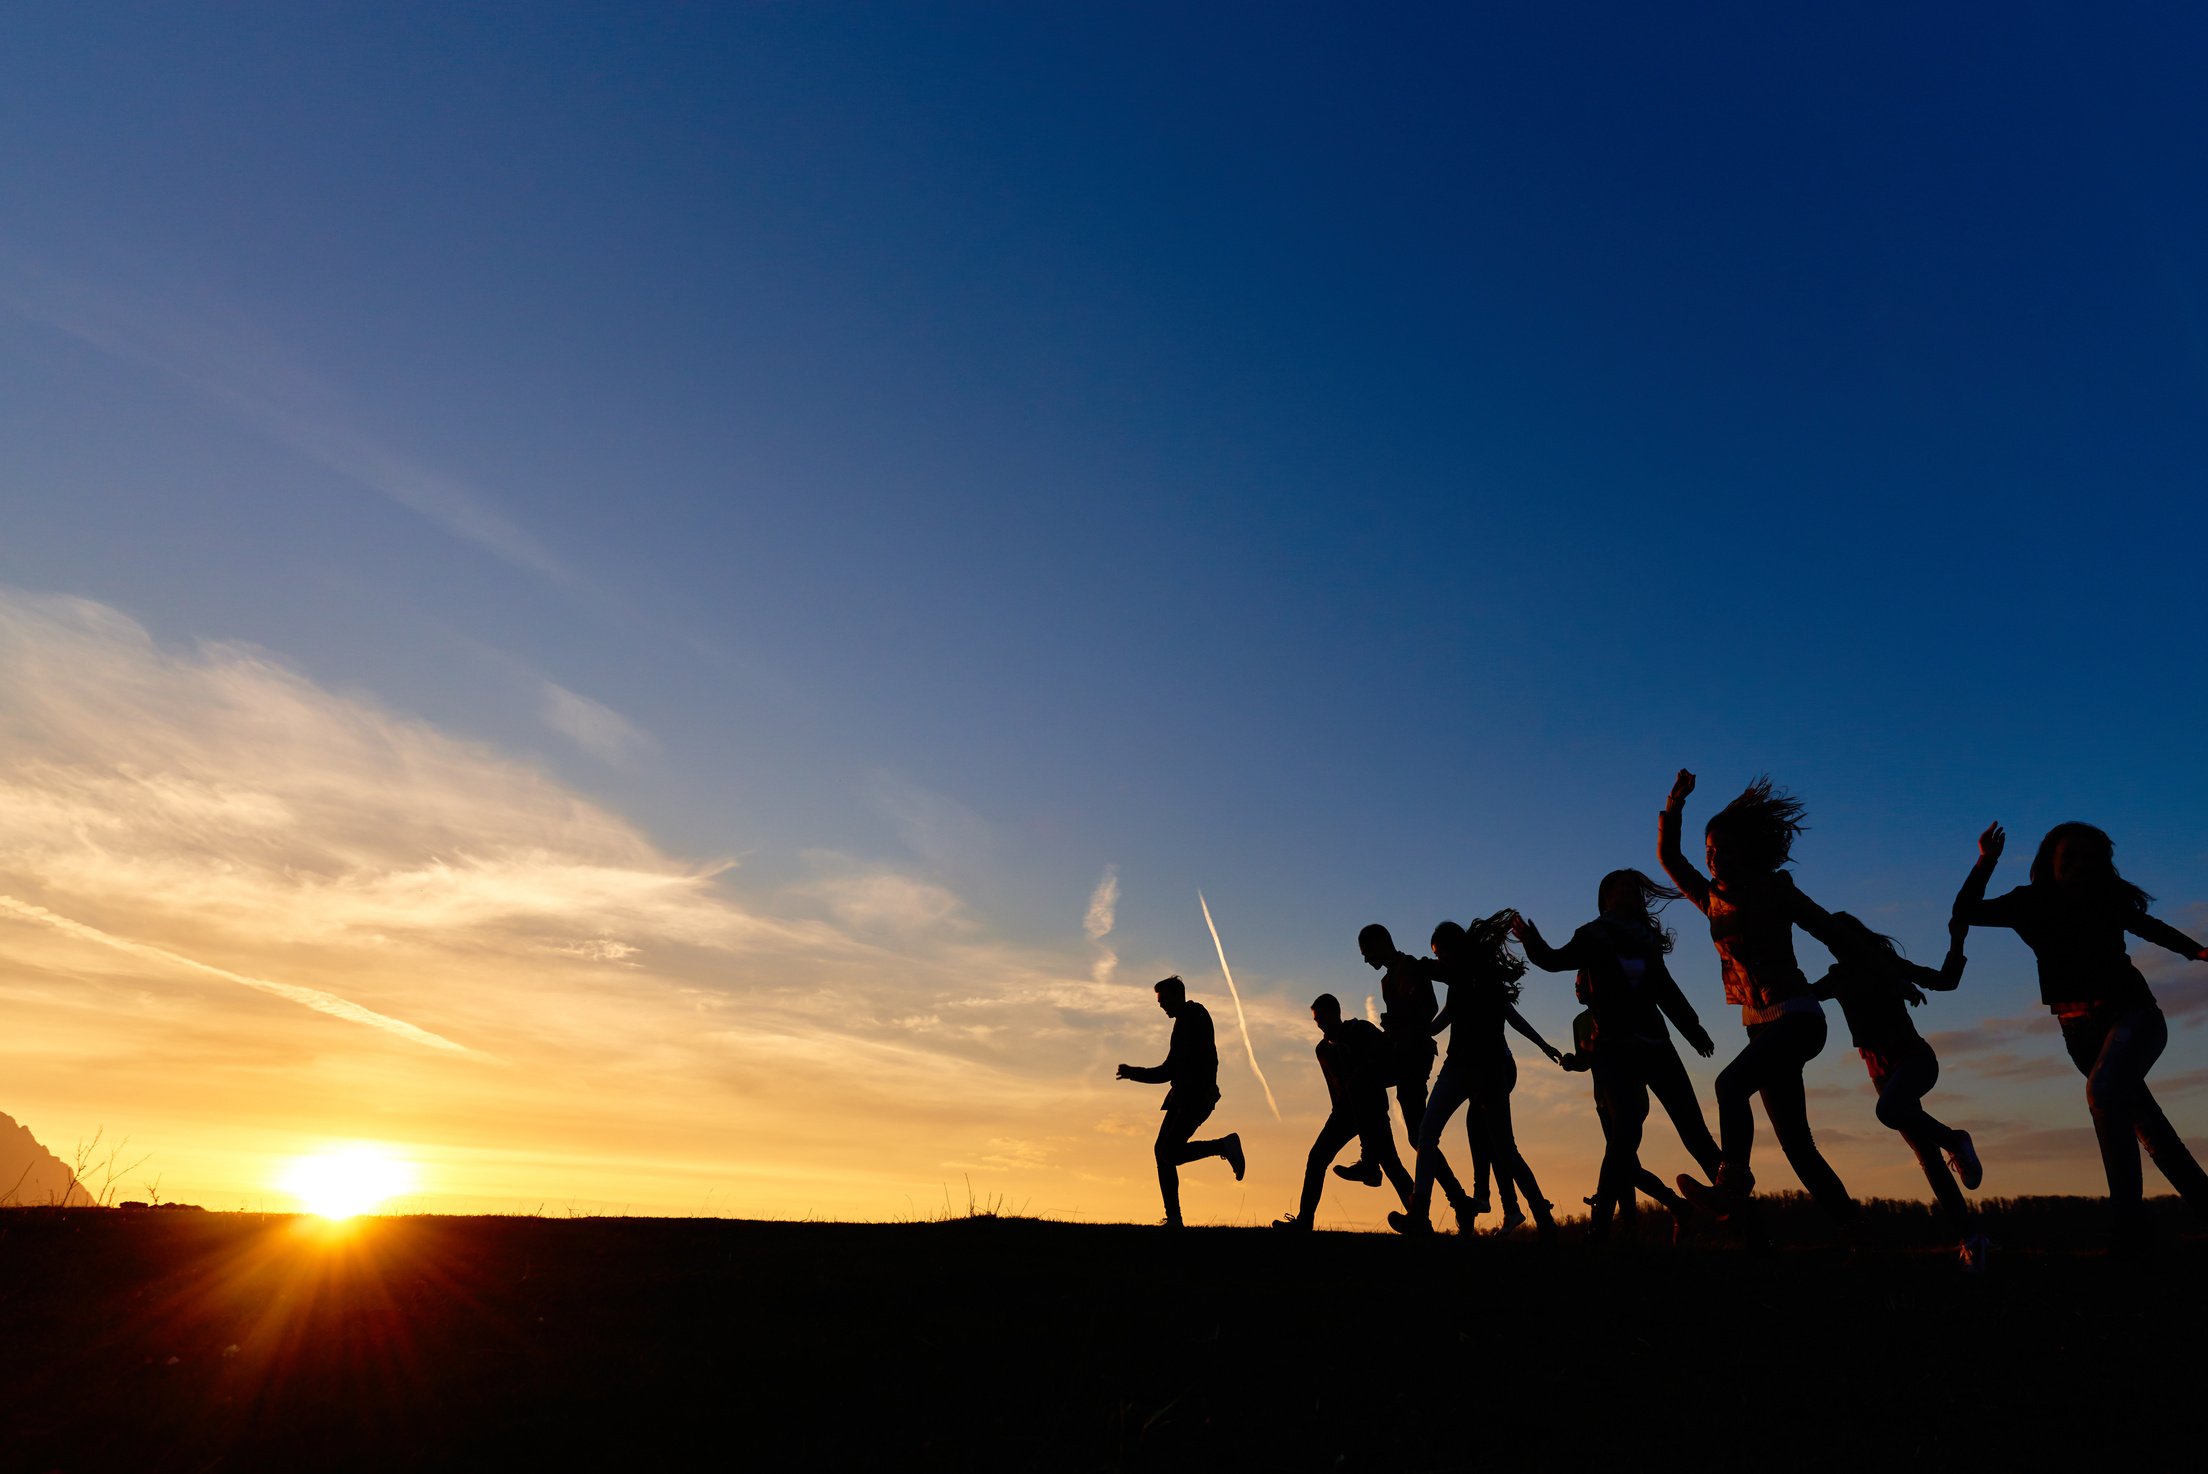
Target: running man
(1191, 1068)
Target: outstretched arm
(1517, 1021)
(1810, 916)
(2162, 934)
(1158, 1074)
(1538, 952)
(1691, 882)
(1664, 988)
(1970, 901)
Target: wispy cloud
(228, 362)
(1102, 914)
(593, 726)
(313, 998)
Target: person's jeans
(1666, 1074)
(1771, 1066)
(1410, 1098)
(1376, 1132)
(1174, 1148)
(1486, 1088)
(1903, 1079)
(2114, 1049)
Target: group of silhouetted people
(2074, 912)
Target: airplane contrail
(313, 998)
(1236, 994)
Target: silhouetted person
(1621, 1106)
(1355, 1058)
(1876, 987)
(2073, 915)
(1630, 992)
(1407, 1021)
(1753, 907)
(1478, 1071)
(1191, 1068)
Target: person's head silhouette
(1375, 945)
(2082, 858)
(1326, 1012)
(1172, 993)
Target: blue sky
(1343, 462)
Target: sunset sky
(665, 609)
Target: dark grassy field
(240, 1342)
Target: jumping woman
(1482, 976)
(1753, 908)
(2073, 914)
(1620, 958)
(1876, 987)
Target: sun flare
(346, 1181)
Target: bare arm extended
(1517, 1021)
(1692, 883)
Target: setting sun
(348, 1180)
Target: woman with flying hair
(2074, 914)
(1753, 907)
(1619, 957)
(1477, 966)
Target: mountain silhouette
(30, 1175)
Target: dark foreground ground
(240, 1342)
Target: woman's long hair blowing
(1647, 896)
(1759, 827)
(1486, 945)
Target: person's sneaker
(1479, 1204)
(1290, 1220)
(1404, 1223)
(1976, 1252)
(1367, 1173)
(1514, 1218)
(1233, 1145)
(1963, 1162)
(1170, 1223)
(1718, 1201)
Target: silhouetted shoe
(1291, 1221)
(1404, 1223)
(1514, 1218)
(1976, 1252)
(1170, 1223)
(1367, 1173)
(1718, 1201)
(1963, 1161)
(1480, 1204)
(1233, 1148)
